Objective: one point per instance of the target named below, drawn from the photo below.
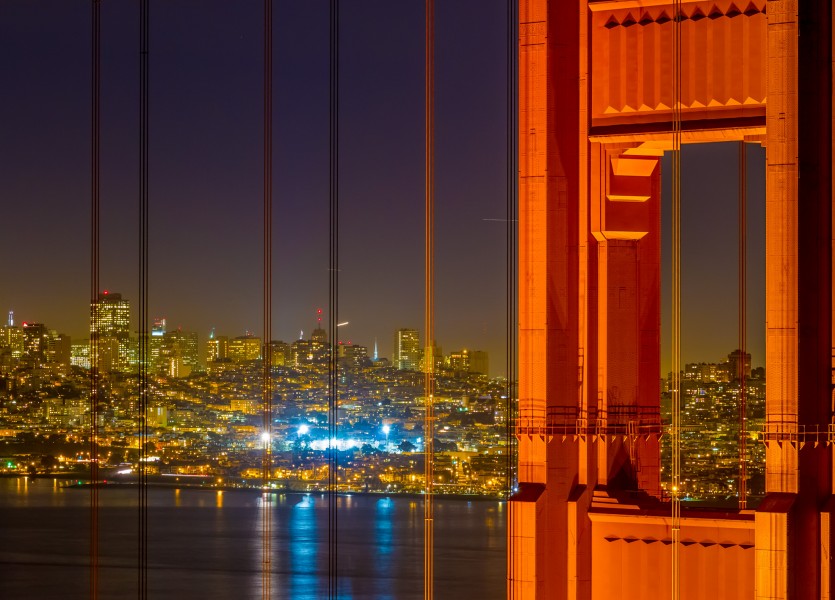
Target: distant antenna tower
(11, 318)
(375, 349)
(212, 334)
(318, 318)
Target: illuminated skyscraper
(406, 349)
(216, 347)
(469, 361)
(353, 355)
(301, 352)
(280, 353)
(35, 342)
(245, 348)
(58, 348)
(155, 343)
(479, 362)
(80, 354)
(11, 337)
(319, 336)
(179, 353)
(111, 319)
(319, 344)
(739, 364)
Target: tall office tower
(111, 319)
(459, 362)
(35, 342)
(58, 349)
(190, 347)
(739, 364)
(301, 353)
(437, 356)
(80, 354)
(469, 361)
(406, 349)
(244, 348)
(280, 353)
(353, 355)
(11, 337)
(216, 347)
(479, 362)
(319, 344)
(319, 336)
(179, 353)
(155, 343)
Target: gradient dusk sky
(205, 173)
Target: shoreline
(123, 483)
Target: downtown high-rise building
(406, 355)
(244, 348)
(179, 353)
(11, 338)
(469, 361)
(216, 347)
(111, 325)
(155, 343)
(35, 342)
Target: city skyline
(205, 254)
(371, 343)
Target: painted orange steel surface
(589, 520)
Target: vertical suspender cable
(429, 314)
(333, 300)
(743, 325)
(675, 441)
(143, 299)
(95, 178)
(266, 353)
(512, 190)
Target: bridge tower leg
(794, 531)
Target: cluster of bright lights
(345, 444)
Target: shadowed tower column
(549, 167)
(625, 222)
(793, 533)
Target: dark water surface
(207, 544)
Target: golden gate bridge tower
(607, 87)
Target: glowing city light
(303, 430)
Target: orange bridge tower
(596, 114)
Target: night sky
(206, 173)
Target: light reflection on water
(207, 544)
